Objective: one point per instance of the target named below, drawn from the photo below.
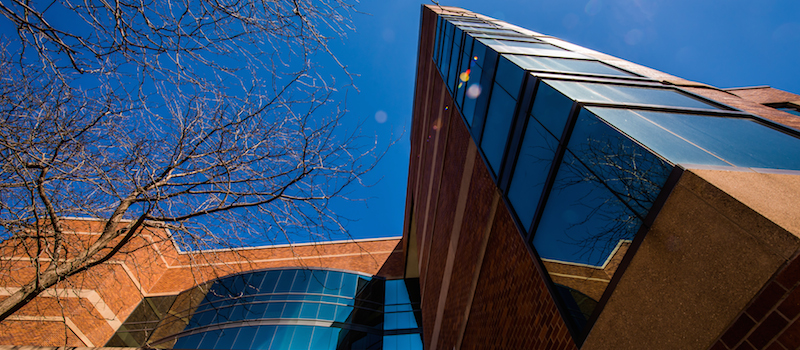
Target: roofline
(268, 246)
(748, 87)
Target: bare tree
(207, 117)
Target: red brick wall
(159, 271)
(772, 319)
(512, 308)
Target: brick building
(558, 198)
(561, 198)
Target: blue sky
(726, 44)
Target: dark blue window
(498, 123)
(535, 158)
(551, 109)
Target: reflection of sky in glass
(630, 171)
(565, 65)
(322, 308)
(594, 92)
(695, 139)
(533, 164)
(582, 220)
(498, 123)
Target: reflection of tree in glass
(619, 182)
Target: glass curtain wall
(291, 309)
(582, 149)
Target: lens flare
(474, 91)
(464, 76)
(475, 58)
(381, 117)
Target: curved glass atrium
(281, 309)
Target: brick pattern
(512, 308)
(504, 315)
(748, 105)
(160, 269)
(772, 319)
(476, 215)
(39, 333)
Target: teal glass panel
(301, 281)
(594, 92)
(239, 312)
(349, 282)
(226, 338)
(551, 108)
(285, 282)
(209, 339)
(270, 281)
(274, 310)
(535, 159)
(343, 313)
(283, 337)
(301, 339)
(317, 283)
(402, 342)
(509, 76)
(323, 339)
(309, 310)
(327, 312)
(396, 292)
(498, 123)
(291, 310)
(255, 311)
(254, 283)
(333, 285)
(245, 338)
(263, 338)
(566, 65)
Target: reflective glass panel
(714, 140)
(495, 31)
(263, 338)
(567, 65)
(503, 45)
(245, 338)
(498, 123)
(583, 220)
(632, 173)
(452, 75)
(593, 92)
(472, 93)
(465, 76)
(226, 338)
(551, 109)
(509, 76)
(530, 173)
(790, 110)
(402, 342)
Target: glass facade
(581, 149)
(287, 309)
